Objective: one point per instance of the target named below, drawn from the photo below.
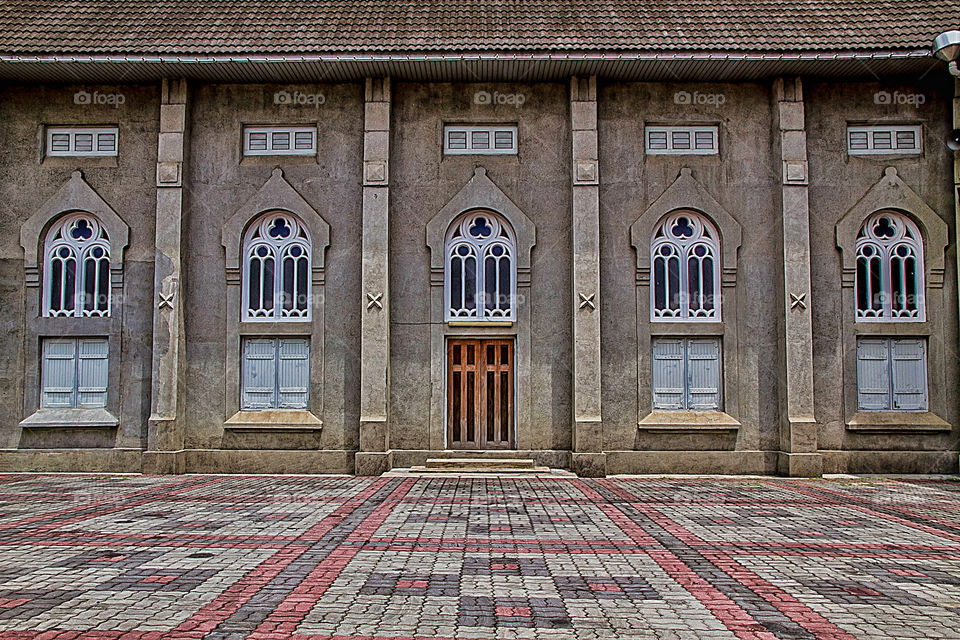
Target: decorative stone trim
(276, 194)
(687, 193)
(75, 195)
(891, 192)
(480, 193)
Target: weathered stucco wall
(742, 179)
(219, 183)
(126, 183)
(837, 182)
(537, 180)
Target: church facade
(325, 266)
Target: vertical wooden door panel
(480, 394)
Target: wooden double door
(480, 405)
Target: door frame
(514, 429)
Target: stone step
(480, 465)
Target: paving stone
(216, 558)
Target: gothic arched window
(685, 257)
(889, 282)
(276, 269)
(76, 268)
(480, 269)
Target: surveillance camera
(953, 140)
(947, 46)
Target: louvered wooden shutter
(59, 373)
(668, 373)
(92, 373)
(259, 373)
(873, 374)
(293, 373)
(909, 365)
(703, 374)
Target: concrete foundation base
(71, 460)
(800, 465)
(695, 462)
(589, 465)
(372, 463)
(890, 462)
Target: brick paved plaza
(350, 558)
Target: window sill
(897, 421)
(70, 418)
(688, 421)
(274, 420)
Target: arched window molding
(76, 268)
(689, 195)
(889, 279)
(891, 193)
(481, 194)
(685, 260)
(720, 235)
(279, 220)
(924, 232)
(276, 270)
(50, 229)
(480, 272)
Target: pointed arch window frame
(74, 197)
(275, 196)
(700, 233)
(264, 243)
(65, 245)
(478, 235)
(872, 247)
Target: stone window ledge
(70, 419)
(274, 420)
(688, 421)
(897, 421)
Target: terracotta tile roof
(223, 27)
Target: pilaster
(588, 458)
(165, 438)
(374, 456)
(956, 172)
(798, 427)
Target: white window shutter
(668, 373)
(59, 373)
(92, 373)
(703, 374)
(873, 374)
(293, 373)
(259, 373)
(909, 364)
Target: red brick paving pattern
(339, 558)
